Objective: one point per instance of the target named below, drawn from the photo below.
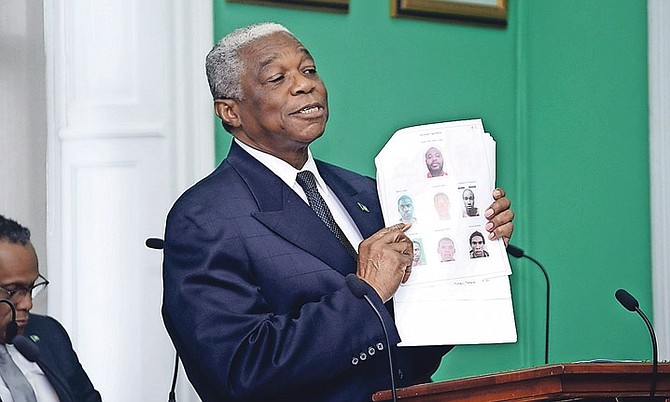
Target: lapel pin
(363, 207)
(35, 338)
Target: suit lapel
(362, 206)
(48, 365)
(286, 214)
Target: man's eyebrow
(13, 285)
(270, 59)
(267, 62)
(307, 53)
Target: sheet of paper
(465, 313)
(459, 275)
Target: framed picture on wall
(340, 6)
(490, 12)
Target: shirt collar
(283, 169)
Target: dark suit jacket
(59, 361)
(255, 298)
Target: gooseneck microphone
(360, 290)
(157, 244)
(12, 327)
(516, 252)
(631, 304)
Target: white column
(659, 156)
(130, 127)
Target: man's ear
(227, 110)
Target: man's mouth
(311, 109)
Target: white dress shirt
(288, 173)
(44, 392)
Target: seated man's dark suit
(255, 297)
(58, 360)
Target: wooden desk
(559, 382)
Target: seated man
(57, 374)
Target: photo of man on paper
(419, 258)
(442, 205)
(434, 163)
(477, 246)
(446, 249)
(406, 209)
(469, 208)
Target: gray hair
(223, 64)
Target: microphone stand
(631, 304)
(157, 244)
(654, 346)
(172, 397)
(518, 253)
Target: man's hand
(500, 217)
(385, 260)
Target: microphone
(516, 252)
(157, 244)
(154, 243)
(356, 286)
(12, 327)
(627, 300)
(360, 290)
(27, 348)
(631, 304)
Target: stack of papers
(440, 178)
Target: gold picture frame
(489, 12)
(338, 6)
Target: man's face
(441, 204)
(18, 268)
(416, 248)
(406, 208)
(446, 249)
(477, 244)
(285, 104)
(468, 199)
(434, 161)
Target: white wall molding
(659, 156)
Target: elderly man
(256, 254)
(57, 374)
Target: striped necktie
(308, 183)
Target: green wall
(563, 89)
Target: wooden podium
(560, 382)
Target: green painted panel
(563, 89)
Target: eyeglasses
(18, 293)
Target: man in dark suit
(255, 296)
(56, 375)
